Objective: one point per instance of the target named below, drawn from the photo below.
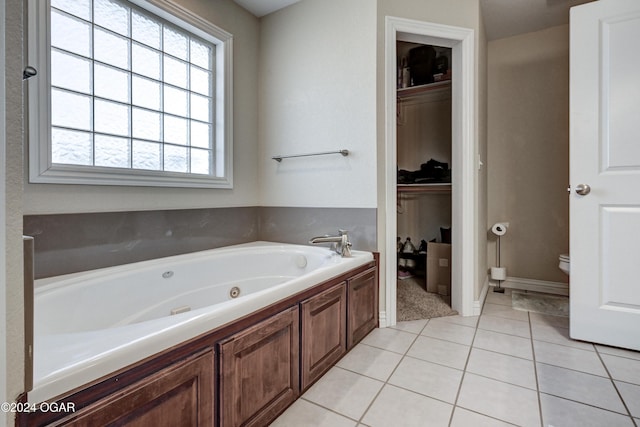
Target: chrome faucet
(339, 243)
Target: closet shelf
(407, 92)
(425, 188)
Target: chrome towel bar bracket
(279, 158)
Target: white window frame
(41, 167)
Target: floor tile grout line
(464, 371)
(445, 340)
(364, 413)
(574, 370)
(327, 409)
(501, 381)
(615, 387)
(564, 345)
(532, 338)
(535, 372)
(591, 405)
(505, 318)
(504, 354)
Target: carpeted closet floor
(414, 302)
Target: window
(128, 93)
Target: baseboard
(382, 319)
(557, 288)
(477, 305)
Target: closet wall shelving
(414, 92)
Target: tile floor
(503, 368)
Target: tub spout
(339, 243)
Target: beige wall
(12, 169)
(50, 198)
(528, 163)
(460, 13)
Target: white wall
(11, 167)
(49, 198)
(3, 278)
(318, 93)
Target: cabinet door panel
(182, 394)
(324, 330)
(362, 311)
(260, 371)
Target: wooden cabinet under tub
(259, 371)
(179, 395)
(324, 332)
(244, 373)
(362, 292)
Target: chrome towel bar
(279, 158)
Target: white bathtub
(87, 325)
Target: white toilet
(565, 263)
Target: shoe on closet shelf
(422, 249)
(402, 274)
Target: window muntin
(133, 98)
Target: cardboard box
(439, 268)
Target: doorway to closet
(423, 146)
(464, 157)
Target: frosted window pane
(112, 151)
(175, 158)
(71, 148)
(146, 155)
(200, 81)
(175, 130)
(111, 49)
(145, 30)
(70, 110)
(200, 134)
(200, 54)
(175, 101)
(145, 124)
(145, 61)
(70, 71)
(175, 43)
(111, 118)
(70, 34)
(80, 8)
(200, 108)
(111, 83)
(200, 161)
(112, 15)
(146, 93)
(175, 72)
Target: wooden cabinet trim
(362, 312)
(329, 334)
(193, 375)
(238, 409)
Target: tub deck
(70, 352)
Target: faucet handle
(345, 245)
(346, 249)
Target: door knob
(583, 189)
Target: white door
(605, 155)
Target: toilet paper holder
(499, 273)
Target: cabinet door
(324, 331)
(260, 371)
(180, 395)
(362, 312)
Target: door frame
(464, 157)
